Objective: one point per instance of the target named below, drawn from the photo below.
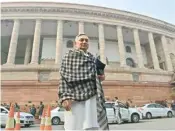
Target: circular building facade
(139, 51)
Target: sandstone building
(139, 51)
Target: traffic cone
(10, 120)
(48, 126)
(42, 124)
(18, 126)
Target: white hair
(76, 38)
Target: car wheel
(56, 120)
(148, 115)
(170, 114)
(27, 125)
(135, 118)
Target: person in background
(117, 111)
(173, 106)
(41, 108)
(127, 103)
(17, 107)
(33, 110)
(165, 103)
(131, 104)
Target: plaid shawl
(78, 76)
(79, 82)
(101, 110)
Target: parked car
(57, 115)
(26, 119)
(127, 114)
(152, 110)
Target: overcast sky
(160, 9)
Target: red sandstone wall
(24, 91)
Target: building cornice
(100, 12)
(14, 84)
(55, 68)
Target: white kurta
(83, 115)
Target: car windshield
(108, 105)
(159, 106)
(8, 108)
(59, 109)
(55, 109)
(122, 105)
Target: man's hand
(67, 104)
(101, 77)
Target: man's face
(82, 42)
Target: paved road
(153, 124)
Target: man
(41, 108)
(165, 103)
(80, 90)
(117, 111)
(33, 110)
(173, 106)
(17, 107)
(127, 103)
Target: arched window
(70, 44)
(130, 62)
(128, 49)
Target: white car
(57, 115)
(127, 114)
(155, 110)
(26, 119)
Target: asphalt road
(153, 124)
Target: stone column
(166, 53)
(59, 41)
(173, 51)
(27, 52)
(121, 46)
(81, 27)
(153, 51)
(173, 43)
(36, 42)
(13, 43)
(138, 48)
(101, 42)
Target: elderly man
(80, 89)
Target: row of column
(59, 41)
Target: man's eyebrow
(83, 38)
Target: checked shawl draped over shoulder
(79, 82)
(78, 76)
